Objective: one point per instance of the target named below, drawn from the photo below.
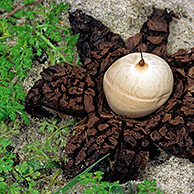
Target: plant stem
(40, 152)
(49, 25)
(50, 44)
(53, 179)
(60, 48)
(39, 12)
(76, 179)
(66, 125)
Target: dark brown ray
(60, 90)
(153, 36)
(94, 37)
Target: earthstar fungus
(78, 91)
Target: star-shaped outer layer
(78, 91)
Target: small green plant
(47, 150)
(75, 180)
(9, 129)
(6, 157)
(23, 40)
(96, 185)
(18, 179)
(31, 40)
(148, 186)
(6, 5)
(10, 106)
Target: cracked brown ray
(77, 91)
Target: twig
(21, 7)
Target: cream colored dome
(136, 90)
